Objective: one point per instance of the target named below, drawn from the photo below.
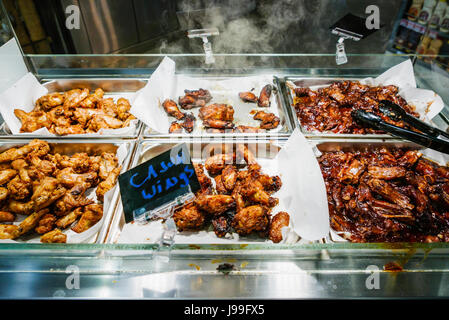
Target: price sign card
(158, 181)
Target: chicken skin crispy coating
(229, 177)
(251, 219)
(9, 231)
(54, 236)
(38, 147)
(45, 224)
(280, 220)
(189, 217)
(223, 224)
(6, 175)
(49, 101)
(108, 183)
(215, 204)
(3, 193)
(189, 122)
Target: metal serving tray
(288, 96)
(199, 151)
(242, 112)
(328, 145)
(112, 87)
(92, 147)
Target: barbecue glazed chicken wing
(172, 109)
(269, 120)
(236, 200)
(175, 127)
(194, 98)
(218, 116)
(386, 195)
(248, 97)
(329, 108)
(264, 97)
(76, 112)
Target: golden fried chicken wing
(31, 221)
(68, 178)
(73, 98)
(103, 122)
(108, 183)
(3, 193)
(19, 189)
(45, 224)
(33, 120)
(108, 163)
(47, 192)
(203, 179)
(189, 217)
(92, 99)
(22, 167)
(6, 175)
(215, 204)
(54, 236)
(280, 220)
(20, 207)
(73, 198)
(251, 219)
(92, 214)
(9, 231)
(6, 216)
(69, 218)
(123, 106)
(49, 101)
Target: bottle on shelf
(414, 9)
(423, 46)
(433, 50)
(426, 12)
(438, 14)
(444, 26)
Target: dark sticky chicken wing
(194, 98)
(269, 120)
(280, 220)
(248, 97)
(264, 97)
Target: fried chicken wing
(19, 189)
(264, 96)
(251, 219)
(269, 120)
(73, 129)
(33, 120)
(172, 109)
(3, 193)
(6, 175)
(54, 236)
(20, 207)
(223, 224)
(229, 177)
(280, 220)
(215, 164)
(248, 97)
(203, 179)
(108, 183)
(49, 101)
(45, 224)
(215, 204)
(92, 214)
(6, 216)
(9, 231)
(73, 98)
(189, 217)
(47, 192)
(72, 199)
(30, 222)
(22, 167)
(69, 218)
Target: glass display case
(103, 267)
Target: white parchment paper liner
(302, 195)
(165, 84)
(23, 95)
(72, 237)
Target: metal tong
(428, 136)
